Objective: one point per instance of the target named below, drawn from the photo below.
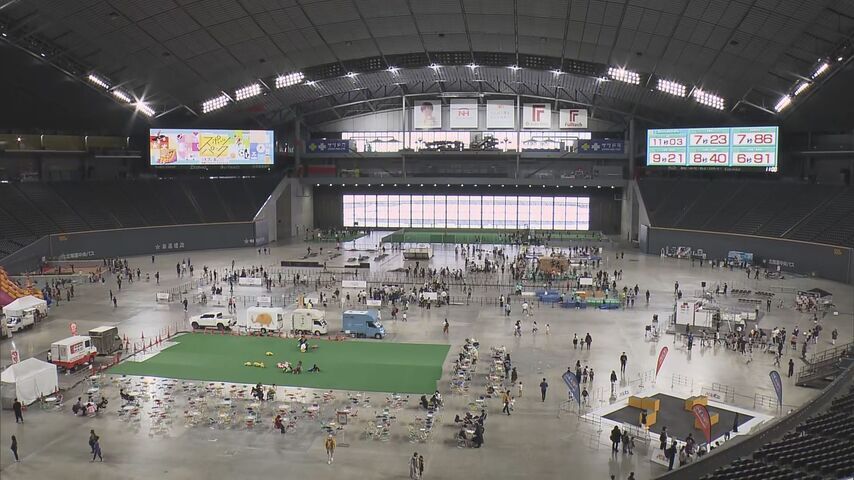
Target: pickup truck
(212, 320)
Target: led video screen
(177, 147)
(749, 147)
(466, 211)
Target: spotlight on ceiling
(673, 88)
(248, 91)
(708, 99)
(98, 80)
(393, 70)
(820, 70)
(144, 108)
(122, 95)
(515, 68)
(801, 87)
(783, 103)
(215, 103)
(351, 75)
(290, 79)
(623, 75)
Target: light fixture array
(289, 80)
(98, 80)
(215, 103)
(122, 95)
(248, 91)
(145, 109)
(623, 75)
(673, 88)
(708, 99)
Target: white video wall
(467, 211)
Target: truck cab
(363, 323)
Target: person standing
(615, 440)
(588, 339)
(445, 326)
(623, 360)
(420, 466)
(670, 453)
(14, 448)
(575, 341)
(613, 382)
(833, 336)
(19, 409)
(662, 439)
(513, 376)
(330, 449)
(791, 367)
(413, 467)
(543, 387)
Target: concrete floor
(532, 443)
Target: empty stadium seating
(31, 210)
(807, 212)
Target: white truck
(24, 312)
(216, 320)
(309, 321)
(71, 352)
(264, 320)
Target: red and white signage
(573, 118)
(537, 115)
(661, 356)
(463, 113)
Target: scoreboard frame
(734, 147)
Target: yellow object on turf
(269, 354)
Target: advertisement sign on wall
(537, 115)
(500, 114)
(464, 113)
(573, 118)
(601, 146)
(324, 145)
(427, 114)
(176, 147)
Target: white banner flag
(537, 115)
(573, 118)
(464, 113)
(500, 114)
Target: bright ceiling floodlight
(673, 88)
(623, 75)
(290, 79)
(393, 70)
(472, 66)
(783, 103)
(215, 103)
(557, 72)
(821, 69)
(515, 68)
(248, 91)
(708, 99)
(98, 80)
(145, 109)
(801, 87)
(351, 75)
(121, 95)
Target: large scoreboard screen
(754, 147)
(172, 147)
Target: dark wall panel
(832, 263)
(605, 210)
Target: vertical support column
(630, 144)
(403, 132)
(518, 134)
(298, 143)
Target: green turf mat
(373, 366)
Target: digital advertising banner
(205, 147)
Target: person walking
(420, 466)
(833, 336)
(575, 341)
(623, 360)
(670, 453)
(513, 376)
(791, 367)
(96, 449)
(662, 439)
(543, 387)
(588, 339)
(505, 398)
(14, 448)
(613, 382)
(19, 409)
(92, 438)
(445, 326)
(330, 449)
(519, 390)
(414, 473)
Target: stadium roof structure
(267, 61)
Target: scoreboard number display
(713, 147)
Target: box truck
(264, 319)
(71, 352)
(363, 323)
(106, 340)
(309, 321)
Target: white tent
(27, 380)
(18, 306)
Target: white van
(309, 321)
